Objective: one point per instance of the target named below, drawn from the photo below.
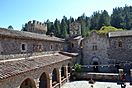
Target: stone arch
(95, 59)
(69, 67)
(28, 83)
(44, 80)
(95, 63)
(63, 72)
(55, 76)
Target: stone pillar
(49, 81)
(66, 73)
(59, 78)
(37, 83)
(131, 76)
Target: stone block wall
(14, 45)
(95, 49)
(123, 52)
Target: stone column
(131, 76)
(49, 81)
(66, 73)
(37, 83)
(59, 78)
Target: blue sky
(18, 12)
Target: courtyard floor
(85, 84)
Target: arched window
(23, 47)
(43, 81)
(51, 47)
(120, 44)
(72, 45)
(94, 47)
(28, 83)
(55, 75)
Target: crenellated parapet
(36, 27)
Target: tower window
(94, 47)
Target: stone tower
(36, 27)
(75, 29)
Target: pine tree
(57, 28)
(104, 19)
(64, 28)
(95, 20)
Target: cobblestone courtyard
(85, 84)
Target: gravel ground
(85, 84)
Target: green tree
(95, 20)
(57, 28)
(10, 27)
(104, 19)
(49, 25)
(64, 28)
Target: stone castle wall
(95, 49)
(14, 45)
(123, 52)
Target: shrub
(78, 67)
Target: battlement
(34, 22)
(36, 27)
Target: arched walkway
(63, 72)
(69, 68)
(43, 81)
(28, 83)
(55, 77)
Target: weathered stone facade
(32, 60)
(12, 44)
(102, 50)
(95, 49)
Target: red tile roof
(10, 68)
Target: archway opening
(69, 68)
(54, 77)
(43, 81)
(63, 74)
(28, 83)
(95, 66)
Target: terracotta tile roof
(12, 68)
(27, 35)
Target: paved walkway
(85, 84)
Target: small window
(72, 45)
(94, 47)
(23, 47)
(120, 44)
(51, 47)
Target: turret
(36, 27)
